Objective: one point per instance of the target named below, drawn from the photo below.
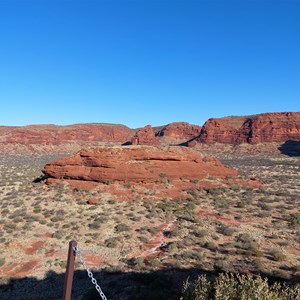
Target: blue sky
(147, 62)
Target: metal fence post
(69, 271)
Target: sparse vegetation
(231, 229)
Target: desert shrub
(58, 234)
(264, 214)
(153, 230)
(171, 247)
(143, 239)
(194, 180)
(277, 255)
(37, 209)
(226, 230)
(2, 261)
(137, 263)
(111, 242)
(235, 287)
(57, 218)
(200, 233)
(221, 265)
(241, 204)
(281, 274)
(192, 192)
(211, 246)
(96, 224)
(221, 203)
(122, 227)
(294, 220)
(264, 206)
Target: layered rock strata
(136, 164)
(263, 128)
(180, 130)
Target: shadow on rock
(290, 148)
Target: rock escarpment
(54, 135)
(60, 139)
(136, 164)
(263, 128)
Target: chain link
(90, 274)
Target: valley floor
(138, 246)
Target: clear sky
(147, 62)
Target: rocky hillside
(263, 128)
(53, 138)
(181, 130)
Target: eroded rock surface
(136, 164)
(144, 136)
(181, 130)
(263, 128)
(56, 135)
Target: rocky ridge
(263, 128)
(258, 129)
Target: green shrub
(235, 287)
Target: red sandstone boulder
(135, 164)
(93, 201)
(263, 128)
(181, 130)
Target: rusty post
(69, 271)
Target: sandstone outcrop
(136, 164)
(144, 136)
(181, 130)
(263, 128)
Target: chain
(90, 274)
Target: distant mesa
(252, 130)
(55, 135)
(137, 164)
(263, 128)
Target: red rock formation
(136, 164)
(53, 135)
(181, 130)
(263, 128)
(144, 136)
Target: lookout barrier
(72, 253)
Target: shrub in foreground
(237, 287)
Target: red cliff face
(264, 128)
(181, 130)
(136, 164)
(144, 136)
(55, 135)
